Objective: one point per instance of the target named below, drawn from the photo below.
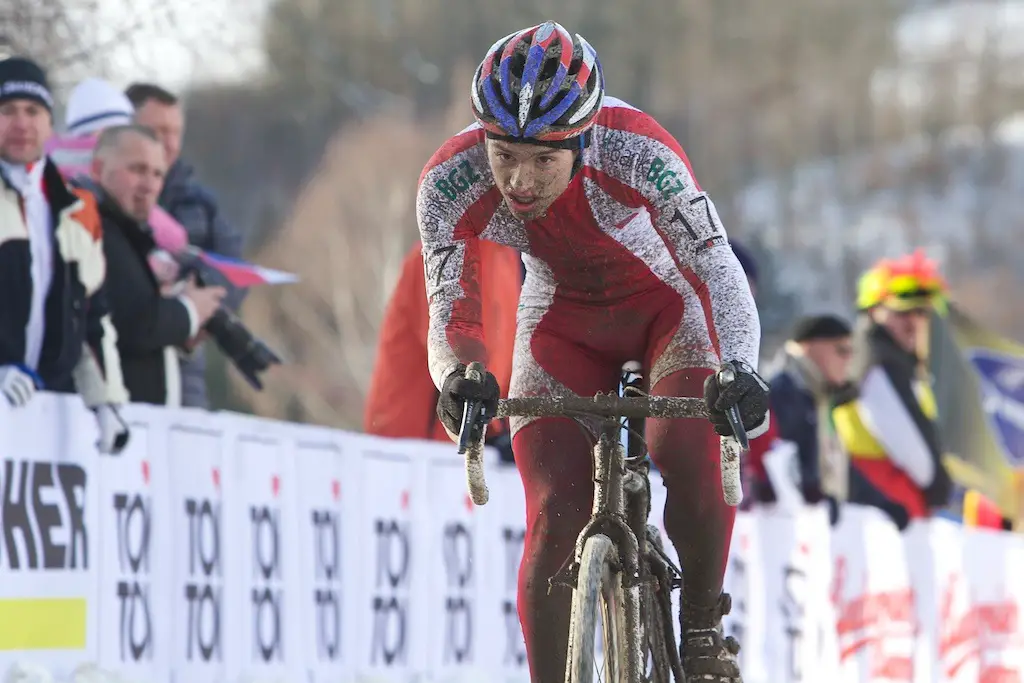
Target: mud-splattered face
(530, 177)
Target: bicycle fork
(614, 484)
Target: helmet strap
(578, 143)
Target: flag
(71, 155)
(243, 274)
(979, 389)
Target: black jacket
(146, 321)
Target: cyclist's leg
(697, 519)
(554, 459)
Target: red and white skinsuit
(631, 262)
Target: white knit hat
(95, 104)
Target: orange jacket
(402, 399)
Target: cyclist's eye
(504, 157)
(545, 160)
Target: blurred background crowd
(846, 144)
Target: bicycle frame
(621, 504)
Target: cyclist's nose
(522, 178)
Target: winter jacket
(79, 350)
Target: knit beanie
(23, 79)
(95, 104)
(821, 327)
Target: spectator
(95, 104)
(753, 470)
(55, 332)
(813, 368)
(888, 428)
(402, 398)
(192, 205)
(748, 264)
(128, 170)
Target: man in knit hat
(55, 330)
(813, 368)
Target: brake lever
(473, 416)
(727, 376)
(474, 413)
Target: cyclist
(626, 258)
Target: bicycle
(619, 564)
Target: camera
(248, 353)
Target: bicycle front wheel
(598, 589)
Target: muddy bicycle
(620, 575)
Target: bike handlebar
(474, 421)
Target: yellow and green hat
(903, 284)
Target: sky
(177, 42)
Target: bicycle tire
(598, 587)
(662, 665)
(655, 648)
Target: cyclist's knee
(554, 461)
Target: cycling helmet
(539, 85)
(905, 283)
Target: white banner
(799, 636)
(226, 548)
(994, 566)
(744, 581)
(136, 555)
(459, 575)
(326, 529)
(262, 552)
(947, 639)
(873, 600)
(505, 551)
(198, 566)
(49, 583)
(392, 642)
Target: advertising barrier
(225, 548)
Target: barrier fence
(221, 547)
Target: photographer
(195, 207)
(129, 167)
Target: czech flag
(243, 274)
(979, 511)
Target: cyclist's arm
(451, 260)
(687, 221)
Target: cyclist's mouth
(521, 203)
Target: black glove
(747, 391)
(456, 390)
(812, 492)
